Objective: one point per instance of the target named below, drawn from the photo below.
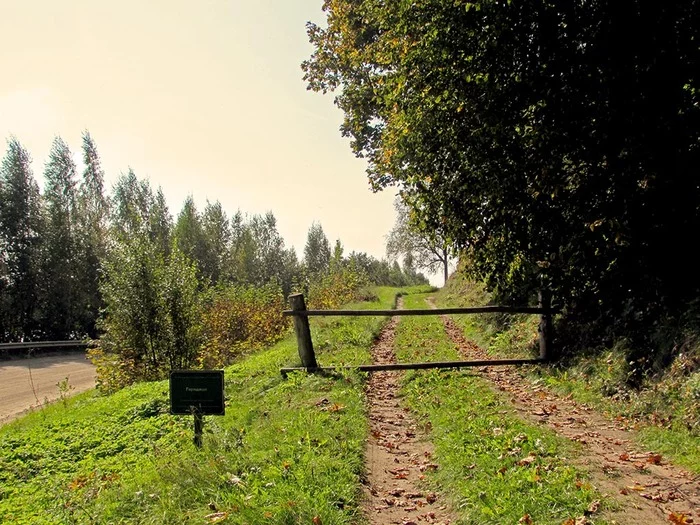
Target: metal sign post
(197, 393)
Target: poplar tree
(20, 235)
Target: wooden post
(301, 327)
(198, 426)
(545, 328)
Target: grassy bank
(286, 451)
(665, 408)
(493, 466)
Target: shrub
(332, 290)
(238, 320)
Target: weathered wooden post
(545, 328)
(198, 427)
(301, 327)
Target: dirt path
(396, 454)
(28, 383)
(648, 488)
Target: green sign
(199, 392)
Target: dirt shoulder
(30, 382)
(647, 487)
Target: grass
(286, 451)
(494, 467)
(665, 410)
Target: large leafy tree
(557, 142)
(21, 225)
(426, 249)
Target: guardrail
(43, 344)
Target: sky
(202, 98)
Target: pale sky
(202, 97)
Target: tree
(425, 249)
(131, 204)
(21, 225)
(160, 224)
(317, 251)
(92, 219)
(217, 234)
(60, 261)
(189, 237)
(556, 142)
(134, 324)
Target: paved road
(28, 382)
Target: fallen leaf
(654, 459)
(625, 456)
(527, 460)
(317, 520)
(216, 517)
(526, 520)
(336, 407)
(593, 507)
(679, 519)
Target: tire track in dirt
(648, 488)
(396, 455)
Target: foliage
(428, 250)
(237, 321)
(61, 247)
(317, 251)
(557, 142)
(93, 214)
(341, 286)
(151, 320)
(21, 229)
(190, 239)
(380, 272)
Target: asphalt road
(30, 382)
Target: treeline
(76, 262)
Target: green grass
(665, 410)
(494, 467)
(287, 451)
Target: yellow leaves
(336, 407)
(239, 320)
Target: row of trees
(75, 262)
(556, 144)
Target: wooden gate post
(301, 327)
(545, 328)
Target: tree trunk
(444, 263)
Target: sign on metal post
(197, 393)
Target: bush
(238, 320)
(335, 289)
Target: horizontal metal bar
(42, 344)
(416, 366)
(432, 311)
